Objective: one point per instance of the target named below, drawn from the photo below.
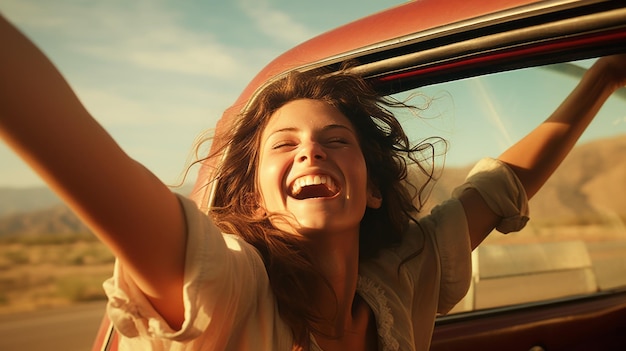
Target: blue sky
(156, 73)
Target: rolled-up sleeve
(502, 191)
(223, 276)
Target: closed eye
(337, 141)
(283, 144)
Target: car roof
(392, 26)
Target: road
(60, 329)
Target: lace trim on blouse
(375, 297)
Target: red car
(492, 66)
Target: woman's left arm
(536, 156)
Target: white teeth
(301, 182)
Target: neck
(337, 258)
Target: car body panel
(590, 323)
(392, 27)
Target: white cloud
(114, 109)
(194, 108)
(197, 58)
(34, 15)
(275, 23)
(156, 41)
(142, 33)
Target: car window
(575, 242)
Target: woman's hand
(612, 69)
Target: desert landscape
(41, 272)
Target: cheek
(269, 185)
(361, 165)
(358, 177)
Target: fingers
(613, 69)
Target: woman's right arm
(126, 206)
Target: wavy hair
(387, 151)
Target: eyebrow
(325, 129)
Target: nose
(311, 151)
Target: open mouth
(313, 186)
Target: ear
(374, 198)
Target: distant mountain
(591, 183)
(58, 219)
(589, 186)
(27, 211)
(18, 200)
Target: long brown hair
(387, 152)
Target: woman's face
(311, 169)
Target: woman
(310, 244)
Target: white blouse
(229, 304)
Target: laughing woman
(311, 243)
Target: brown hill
(57, 220)
(589, 185)
(16, 200)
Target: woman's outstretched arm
(535, 157)
(127, 207)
